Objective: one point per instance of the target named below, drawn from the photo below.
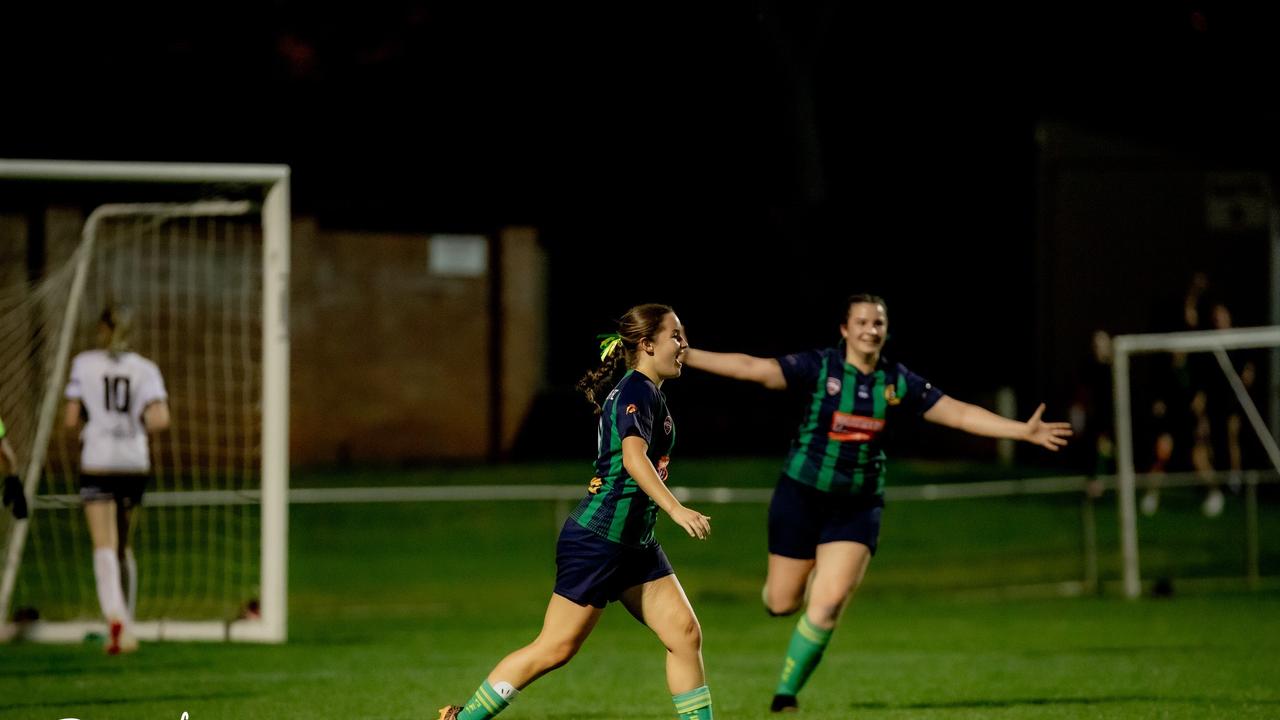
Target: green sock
(484, 704)
(807, 645)
(693, 705)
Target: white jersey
(114, 392)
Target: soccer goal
(201, 255)
(1216, 343)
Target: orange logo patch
(891, 396)
(594, 486)
(631, 409)
(854, 428)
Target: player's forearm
(738, 366)
(646, 476)
(975, 420)
(981, 421)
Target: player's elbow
(156, 417)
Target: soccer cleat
(449, 712)
(120, 640)
(128, 642)
(784, 703)
(114, 631)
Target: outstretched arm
(979, 421)
(641, 469)
(765, 371)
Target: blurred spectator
(1091, 412)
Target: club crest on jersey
(833, 386)
(891, 395)
(594, 486)
(631, 409)
(666, 425)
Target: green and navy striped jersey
(839, 447)
(615, 507)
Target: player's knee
(686, 636)
(781, 608)
(558, 654)
(779, 605)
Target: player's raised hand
(693, 522)
(1048, 435)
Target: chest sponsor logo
(846, 427)
(661, 467)
(833, 386)
(666, 425)
(891, 395)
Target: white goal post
(270, 183)
(1215, 341)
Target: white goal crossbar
(1215, 341)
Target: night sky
(751, 163)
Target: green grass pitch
(398, 609)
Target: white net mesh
(193, 276)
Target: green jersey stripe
(801, 451)
(831, 453)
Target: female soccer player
(606, 549)
(122, 398)
(824, 519)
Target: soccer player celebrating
(606, 549)
(122, 398)
(824, 519)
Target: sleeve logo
(661, 467)
(666, 425)
(631, 409)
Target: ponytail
(618, 350)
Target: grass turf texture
(398, 609)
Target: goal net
(201, 255)
(1197, 463)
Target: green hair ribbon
(608, 342)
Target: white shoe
(1213, 503)
(1150, 502)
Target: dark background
(749, 163)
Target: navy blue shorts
(802, 517)
(126, 490)
(591, 570)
